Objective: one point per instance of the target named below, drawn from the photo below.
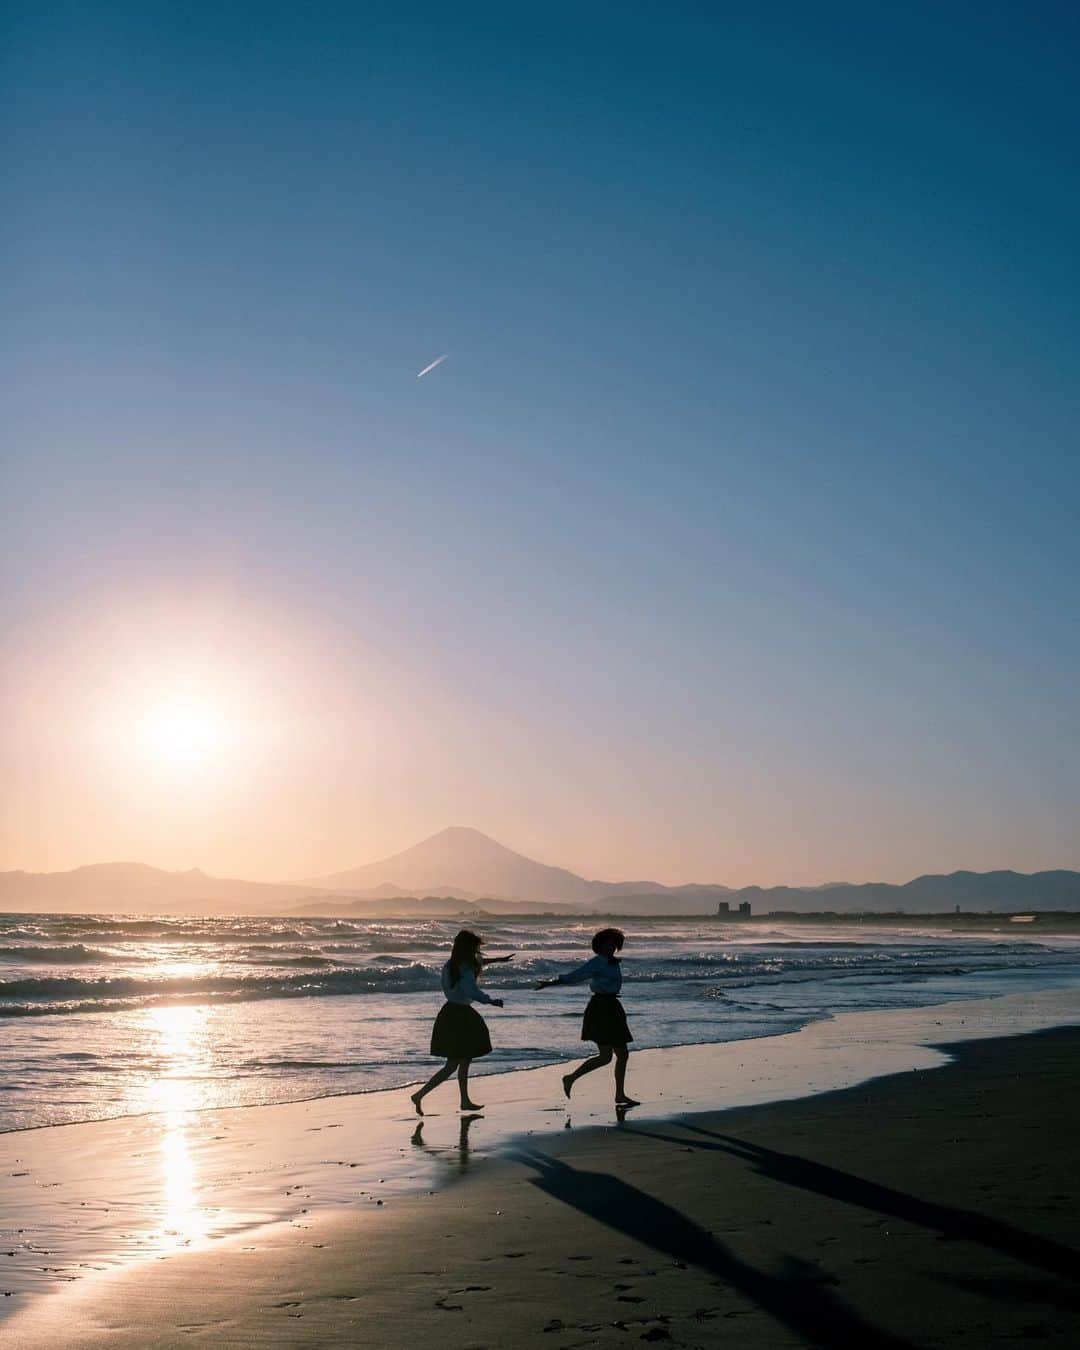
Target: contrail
(428, 369)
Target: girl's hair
(605, 936)
(464, 952)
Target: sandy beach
(932, 1206)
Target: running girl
(605, 1020)
(460, 1034)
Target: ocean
(109, 1015)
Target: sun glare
(182, 730)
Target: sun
(182, 729)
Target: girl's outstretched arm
(578, 976)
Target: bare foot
(626, 1101)
(416, 1098)
(472, 1106)
(567, 1085)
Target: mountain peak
(459, 841)
(460, 858)
(461, 832)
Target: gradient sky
(736, 540)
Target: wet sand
(933, 1207)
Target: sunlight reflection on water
(183, 1047)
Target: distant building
(723, 909)
(744, 910)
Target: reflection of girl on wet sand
(466, 1124)
(605, 1019)
(460, 1034)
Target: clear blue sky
(736, 539)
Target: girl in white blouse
(460, 1034)
(605, 1019)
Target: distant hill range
(135, 888)
(469, 865)
(968, 891)
(461, 869)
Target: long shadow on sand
(796, 1297)
(1012, 1291)
(1052, 1257)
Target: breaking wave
(69, 993)
(76, 955)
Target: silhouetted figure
(605, 1018)
(460, 1034)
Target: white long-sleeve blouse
(466, 990)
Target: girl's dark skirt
(605, 1021)
(459, 1033)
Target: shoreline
(239, 1032)
(908, 1211)
(482, 1071)
(105, 1194)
